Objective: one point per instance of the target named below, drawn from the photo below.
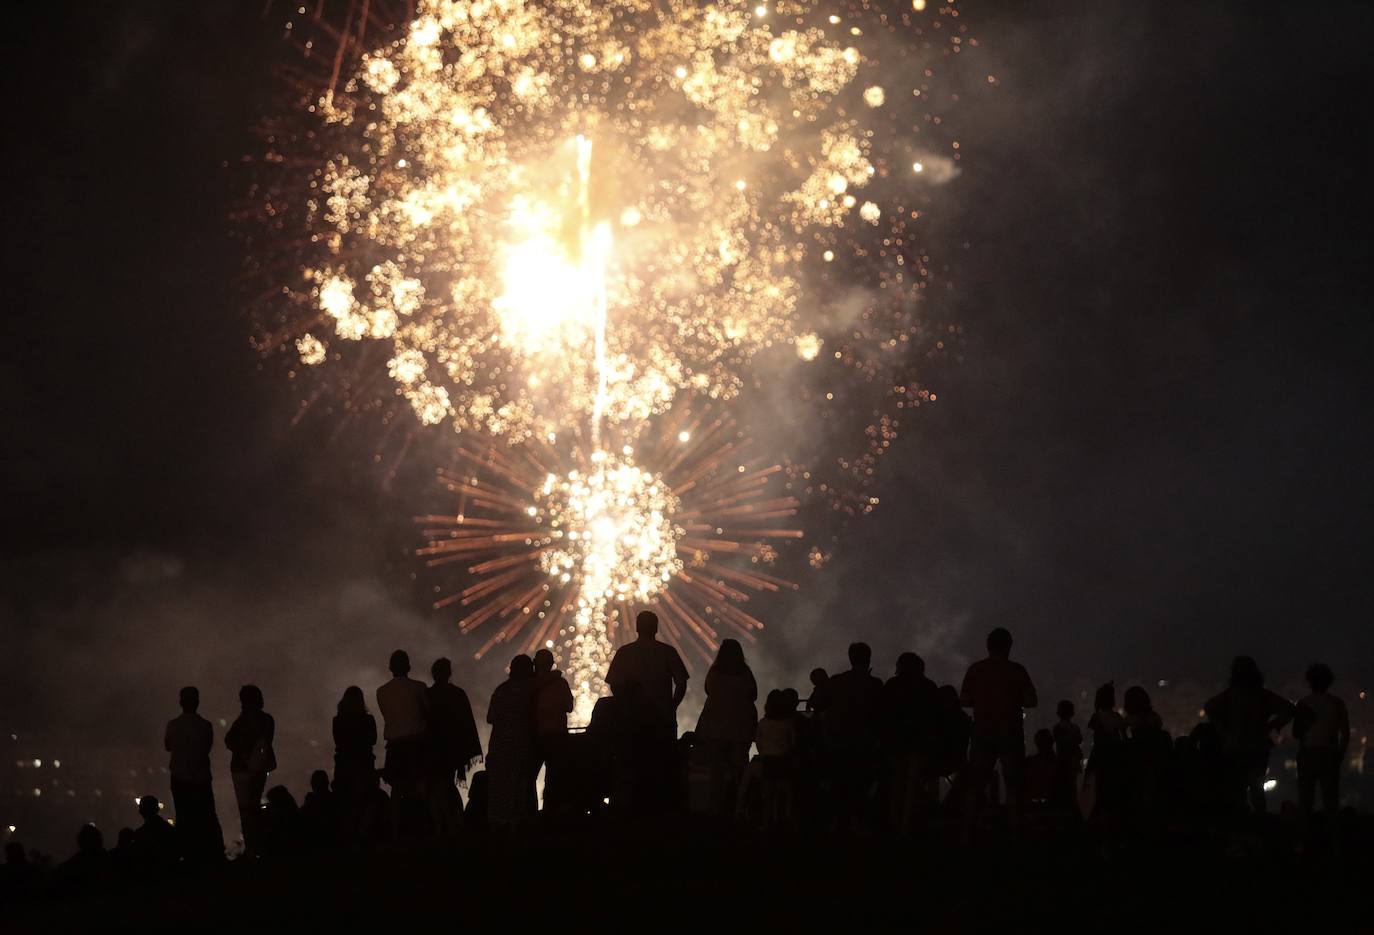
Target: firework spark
(561, 547)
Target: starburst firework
(561, 547)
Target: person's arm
(753, 687)
(167, 738)
(567, 700)
(269, 729)
(371, 731)
(967, 689)
(231, 736)
(679, 677)
(1029, 699)
(613, 673)
(1342, 728)
(1302, 722)
(1281, 711)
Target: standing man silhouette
(651, 676)
(656, 668)
(189, 738)
(998, 690)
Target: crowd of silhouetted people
(901, 757)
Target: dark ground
(691, 875)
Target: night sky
(1153, 454)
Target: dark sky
(1155, 453)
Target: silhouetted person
(155, 843)
(816, 701)
(320, 812)
(953, 727)
(768, 788)
(125, 853)
(1068, 747)
(189, 738)
(1042, 769)
(908, 713)
(454, 746)
(998, 690)
(1245, 714)
(19, 875)
(252, 757)
(1147, 750)
(728, 718)
(355, 765)
(553, 702)
(1104, 778)
(511, 748)
(282, 830)
(1322, 727)
(404, 704)
(656, 668)
(90, 865)
(611, 733)
(851, 724)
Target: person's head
(352, 701)
(1206, 737)
(1064, 710)
(319, 782)
(910, 665)
(1105, 699)
(819, 677)
(790, 699)
(250, 698)
(441, 671)
(189, 698)
(543, 661)
(646, 624)
(1136, 701)
(1320, 677)
(14, 853)
(1245, 674)
(999, 643)
(280, 799)
(730, 657)
(149, 806)
(775, 706)
(1044, 741)
(399, 664)
(90, 840)
(860, 655)
(522, 667)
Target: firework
(561, 547)
(549, 225)
(552, 214)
